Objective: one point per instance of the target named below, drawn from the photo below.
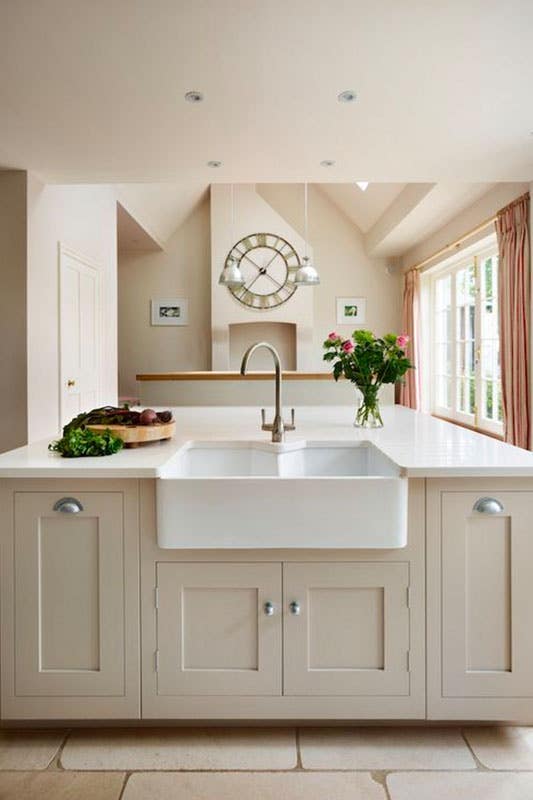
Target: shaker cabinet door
(218, 629)
(70, 621)
(487, 596)
(480, 599)
(346, 629)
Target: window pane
(466, 342)
(465, 331)
(489, 341)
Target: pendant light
(306, 275)
(231, 276)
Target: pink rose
(333, 336)
(402, 341)
(348, 346)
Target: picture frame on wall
(351, 310)
(170, 311)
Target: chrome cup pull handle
(488, 505)
(68, 505)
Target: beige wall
(340, 257)
(83, 218)
(13, 415)
(253, 214)
(183, 269)
(484, 208)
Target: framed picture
(170, 311)
(351, 310)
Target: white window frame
(475, 256)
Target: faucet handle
(263, 416)
(290, 426)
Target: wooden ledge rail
(267, 375)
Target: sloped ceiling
(363, 208)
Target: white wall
(182, 270)
(84, 219)
(344, 267)
(13, 407)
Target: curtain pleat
(512, 227)
(410, 389)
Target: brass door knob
(70, 382)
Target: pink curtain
(512, 227)
(410, 390)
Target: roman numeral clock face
(268, 265)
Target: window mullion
(478, 399)
(453, 339)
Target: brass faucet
(278, 426)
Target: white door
(346, 628)
(79, 335)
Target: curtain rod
(458, 242)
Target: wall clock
(268, 264)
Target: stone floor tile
(253, 786)
(460, 785)
(28, 749)
(56, 785)
(181, 748)
(384, 748)
(502, 748)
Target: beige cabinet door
(346, 629)
(218, 629)
(71, 613)
(486, 574)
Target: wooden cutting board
(134, 435)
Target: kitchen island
(102, 620)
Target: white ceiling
(94, 91)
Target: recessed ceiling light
(214, 164)
(327, 163)
(348, 96)
(363, 185)
(194, 96)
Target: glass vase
(368, 414)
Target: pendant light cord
(305, 220)
(232, 216)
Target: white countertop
(419, 444)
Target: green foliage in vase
(366, 360)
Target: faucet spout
(278, 427)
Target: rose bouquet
(368, 362)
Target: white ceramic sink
(262, 495)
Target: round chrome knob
(294, 608)
(68, 505)
(488, 505)
(269, 608)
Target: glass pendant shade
(231, 275)
(306, 275)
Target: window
(465, 357)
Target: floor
(390, 763)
